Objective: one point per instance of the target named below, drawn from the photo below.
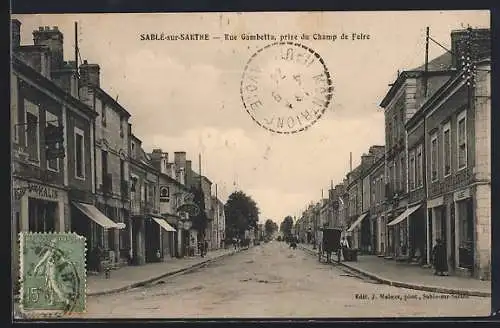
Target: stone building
(150, 229)
(377, 201)
(173, 191)
(456, 121)
(400, 103)
(111, 160)
(50, 170)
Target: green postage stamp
(53, 274)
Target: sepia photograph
(326, 164)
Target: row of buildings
(78, 167)
(431, 180)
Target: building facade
(458, 173)
(400, 104)
(51, 137)
(111, 161)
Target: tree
(241, 213)
(286, 226)
(200, 221)
(270, 227)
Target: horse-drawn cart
(329, 244)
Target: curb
(163, 275)
(434, 289)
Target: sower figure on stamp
(439, 258)
(51, 259)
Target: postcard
(251, 164)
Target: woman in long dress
(439, 258)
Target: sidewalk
(135, 276)
(413, 276)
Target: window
(104, 165)
(446, 149)
(79, 154)
(411, 173)
(122, 132)
(462, 139)
(143, 192)
(52, 120)
(434, 158)
(419, 163)
(122, 170)
(389, 134)
(395, 128)
(103, 114)
(402, 176)
(32, 131)
(132, 147)
(133, 185)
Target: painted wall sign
(39, 191)
(461, 195)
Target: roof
(19, 65)
(110, 99)
(439, 65)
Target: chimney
(156, 154)
(480, 43)
(180, 159)
(16, 33)
(189, 173)
(89, 74)
(366, 160)
(52, 38)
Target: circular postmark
(286, 87)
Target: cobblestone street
(275, 281)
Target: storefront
(89, 221)
(464, 227)
(381, 235)
(399, 228)
(40, 207)
(354, 232)
(148, 238)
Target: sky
(185, 95)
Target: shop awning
(97, 216)
(357, 222)
(404, 215)
(163, 224)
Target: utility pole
(76, 60)
(426, 61)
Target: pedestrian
(439, 259)
(205, 247)
(344, 245)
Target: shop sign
(435, 202)
(164, 194)
(461, 195)
(39, 191)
